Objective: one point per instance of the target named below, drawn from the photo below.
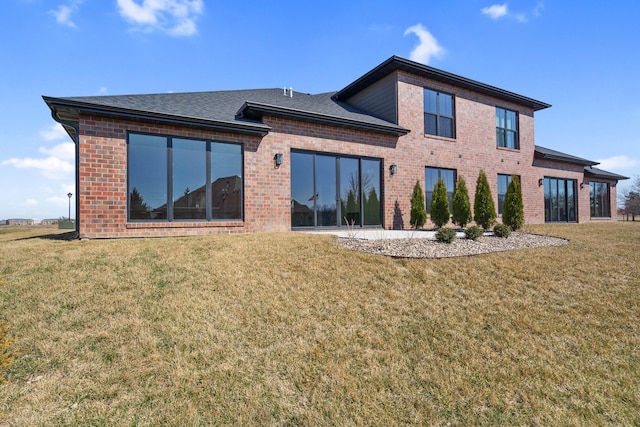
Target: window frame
(604, 210)
(438, 114)
(505, 130)
(363, 214)
(509, 178)
(553, 196)
(169, 202)
(429, 189)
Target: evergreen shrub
(474, 232)
(502, 230)
(445, 235)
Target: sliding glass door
(559, 200)
(334, 191)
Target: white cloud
(64, 151)
(58, 164)
(617, 163)
(538, 9)
(53, 132)
(428, 46)
(32, 202)
(102, 90)
(64, 11)
(175, 17)
(496, 11)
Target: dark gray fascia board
(254, 110)
(549, 154)
(250, 128)
(600, 173)
(398, 63)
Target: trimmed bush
(473, 232)
(502, 230)
(483, 206)
(513, 208)
(446, 235)
(418, 210)
(460, 205)
(439, 208)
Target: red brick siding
(267, 190)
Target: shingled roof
(599, 173)
(236, 110)
(549, 154)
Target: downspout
(76, 141)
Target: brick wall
(267, 189)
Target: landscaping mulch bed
(430, 248)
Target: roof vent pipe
(291, 92)
(284, 91)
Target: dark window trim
(607, 206)
(575, 200)
(355, 157)
(506, 130)
(169, 146)
(509, 176)
(438, 115)
(426, 189)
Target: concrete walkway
(379, 234)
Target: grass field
(288, 329)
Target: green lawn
(288, 329)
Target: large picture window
(559, 200)
(183, 179)
(507, 128)
(599, 196)
(438, 114)
(431, 177)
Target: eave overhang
(255, 111)
(69, 110)
(548, 154)
(396, 63)
(603, 174)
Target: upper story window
(507, 128)
(438, 114)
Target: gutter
(76, 140)
(247, 128)
(250, 108)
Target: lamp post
(69, 196)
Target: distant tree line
(630, 200)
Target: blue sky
(581, 57)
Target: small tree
(439, 204)
(461, 206)
(513, 208)
(418, 211)
(483, 206)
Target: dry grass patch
(288, 329)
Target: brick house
(276, 160)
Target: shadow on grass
(68, 236)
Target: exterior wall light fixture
(540, 182)
(277, 160)
(581, 185)
(393, 169)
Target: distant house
(19, 221)
(274, 159)
(50, 221)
